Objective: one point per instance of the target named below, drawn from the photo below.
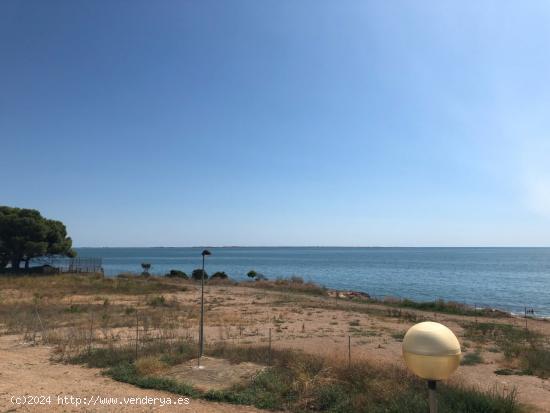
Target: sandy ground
(27, 370)
(242, 315)
(308, 324)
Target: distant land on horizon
(322, 246)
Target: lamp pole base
(432, 395)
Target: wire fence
(69, 265)
(140, 328)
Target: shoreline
(352, 294)
(488, 277)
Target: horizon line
(323, 246)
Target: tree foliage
(197, 274)
(177, 274)
(25, 234)
(146, 267)
(221, 275)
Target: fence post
(349, 351)
(91, 331)
(41, 325)
(137, 334)
(269, 349)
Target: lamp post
(432, 352)
(204, 253)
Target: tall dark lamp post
(201, 327)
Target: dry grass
(78, 318)
(56, 286)
(80, 313)
(526, 350)
(293, 284)
(148, 365)
(299, 382)
(444, 307)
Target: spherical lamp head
(431, 351)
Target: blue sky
(175, 123)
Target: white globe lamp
(432, 352)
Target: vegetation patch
(404, 315)
(75, 308)
(508, 372)
(177, 274)
(199, 274)
(221, 275)
(398, 336)
(526, 347)
(297, 382)
(471, 359)
(74, 284)
(442, 306)
(157, 301)
(128, 373)
(294, 284)
(536, 362)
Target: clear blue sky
(175, 123)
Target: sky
(279, 122)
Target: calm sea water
(506, 278)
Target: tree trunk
(27, 263)
(15, 263)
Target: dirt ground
(213, 373)
(242, 315)
(317, 325)
(28, 371)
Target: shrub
(177, 274)
(440, 306)
(197, 274)
(180, 353)
(148, 365)
(471, 359)
(536, 362)
(398, 335)
(146, 267)
(157, 301)
(251, 274)
(462, 399)
(75, 308)
(105, 357)
(220, 274)
(286, 285)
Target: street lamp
(204, 253)
(432, 352)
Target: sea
(509, 279)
